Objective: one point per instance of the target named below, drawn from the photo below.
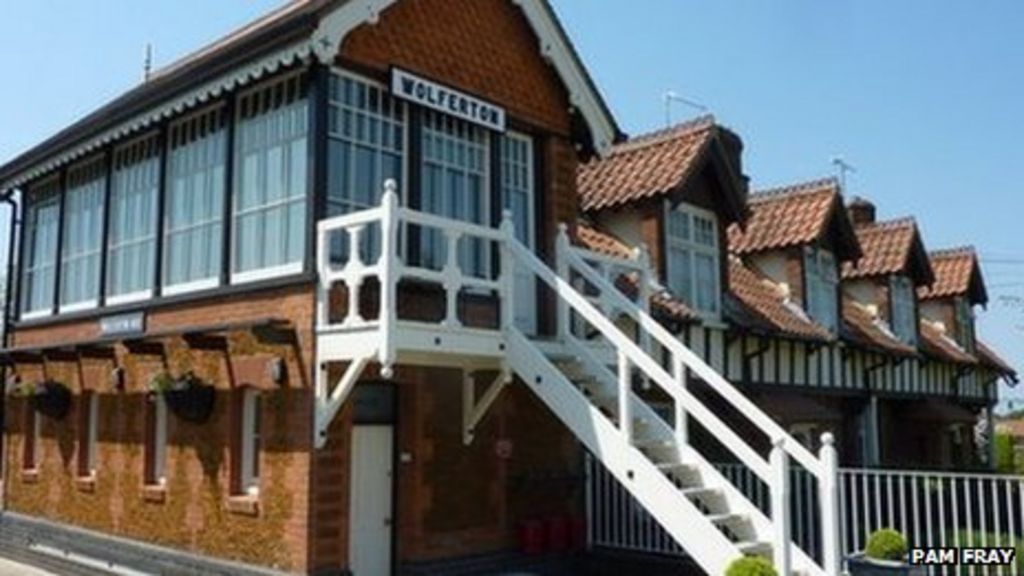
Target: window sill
(86, 484)
(30, 476)
(244, 505)
(154, 493)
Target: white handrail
(643, 361)
(696, 364)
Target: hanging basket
(51, 399)
(187, 397)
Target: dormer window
(903, 318)
(964, 325)
(692, 258)
(822, 287)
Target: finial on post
(507, 225)
(390, 192)
(828, 439)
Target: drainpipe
(15, 223)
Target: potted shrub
(751, 566)
(885, 554)
(50, 398)
(187, 396)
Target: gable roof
(861, 328)
(957, 273)
(892, 247)
(296, 32)
(663, 303)
(756, 303)
(655, 165)
(935, 343)
(797, 215)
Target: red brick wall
(484, 47)
(194, 514)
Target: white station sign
(408, 86)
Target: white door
(517, 182)
(370, 511)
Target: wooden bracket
(472, 411)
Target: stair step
(727, 518)
(759, 547)
(699, 491)
(654, 443)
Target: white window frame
(818, 286)
(52, 194)
(135, 183)
(91, 438)
(251, 441)
(485, 191)
(902, 300)
(67, 258)
(530, 190)
(212, 281)
(237, 158)
(159, 455)
(965, 334)
(694, 248)
(37, 436)
(338, 106)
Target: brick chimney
(862, 211)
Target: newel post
(508, 270)
(562, 247)
(830, 517)
(388, 276)
(781, 521)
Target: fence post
(508, 281)
(562, 247)
(388, 275)
(779, 462)
(829, 495)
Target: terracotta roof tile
(990, 358)
(592, 238)
(1013, 427)
(863, 329)
(758, 303)
(887, 247)
(644, 167)
(954, 271)
(935, 342)
(783, 217)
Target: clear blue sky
(924, 99)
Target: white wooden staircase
(601, 400)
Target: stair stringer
(677, 515)
(710, 476)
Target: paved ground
(12, 568)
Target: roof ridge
(666, 134)
(966, 250)
(808, 187)
(883, 225)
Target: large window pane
(42, 220)
(133, 214)
(367, 147)
(82, 235)
(822, 283)
(454, 185)
(271, 183)
(195, 199)
(693, 257)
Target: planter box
(191, 400)
(51, 399)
